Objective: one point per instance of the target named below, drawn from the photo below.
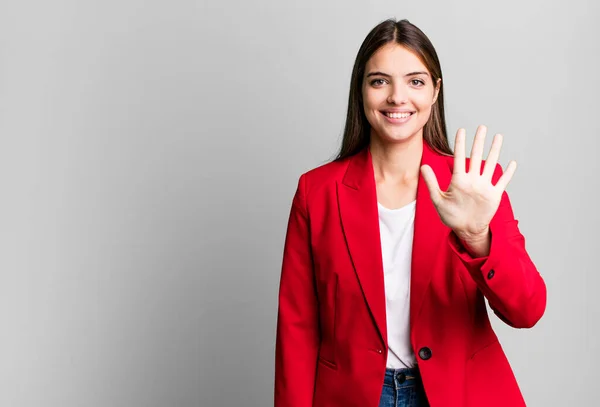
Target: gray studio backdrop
(149, 152)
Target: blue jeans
(403, 388)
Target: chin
(398, 135)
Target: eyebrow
(388, 76)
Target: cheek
(374, 98)
(369, 101)
(370, 116)
(370, 106)
(424, 102)
(425, 108)
(425, 114)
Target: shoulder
(322, 177)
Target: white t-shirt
(397, 229)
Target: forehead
(394, 59)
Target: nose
(398, 94)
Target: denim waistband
(402, 377)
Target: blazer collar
(357, 200)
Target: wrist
(473, 237)
(476, 244)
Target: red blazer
(331, 329)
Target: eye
(377, 82)
(417, 82)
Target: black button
(425, 353)
(401, 378)
(491, 274)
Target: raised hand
(471, 200)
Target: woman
(392, 248)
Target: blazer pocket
(484, 347)
(327, 363)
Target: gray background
(149, 152)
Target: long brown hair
(357, 131)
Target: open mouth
(398, 115)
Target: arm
(506, 276)
(297, 341)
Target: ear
(436, 91)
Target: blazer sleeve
(507, 277)
(297, 343)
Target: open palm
(471, 200)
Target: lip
(397, 121)
(398, 111)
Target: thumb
(431, 182)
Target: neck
(396, 162)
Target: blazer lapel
(357, 200)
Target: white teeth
(398, 115)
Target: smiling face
(397, 93)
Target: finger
(507, 176)
(431, 182)
(459, 152)
(477, 150)
(492, 158)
